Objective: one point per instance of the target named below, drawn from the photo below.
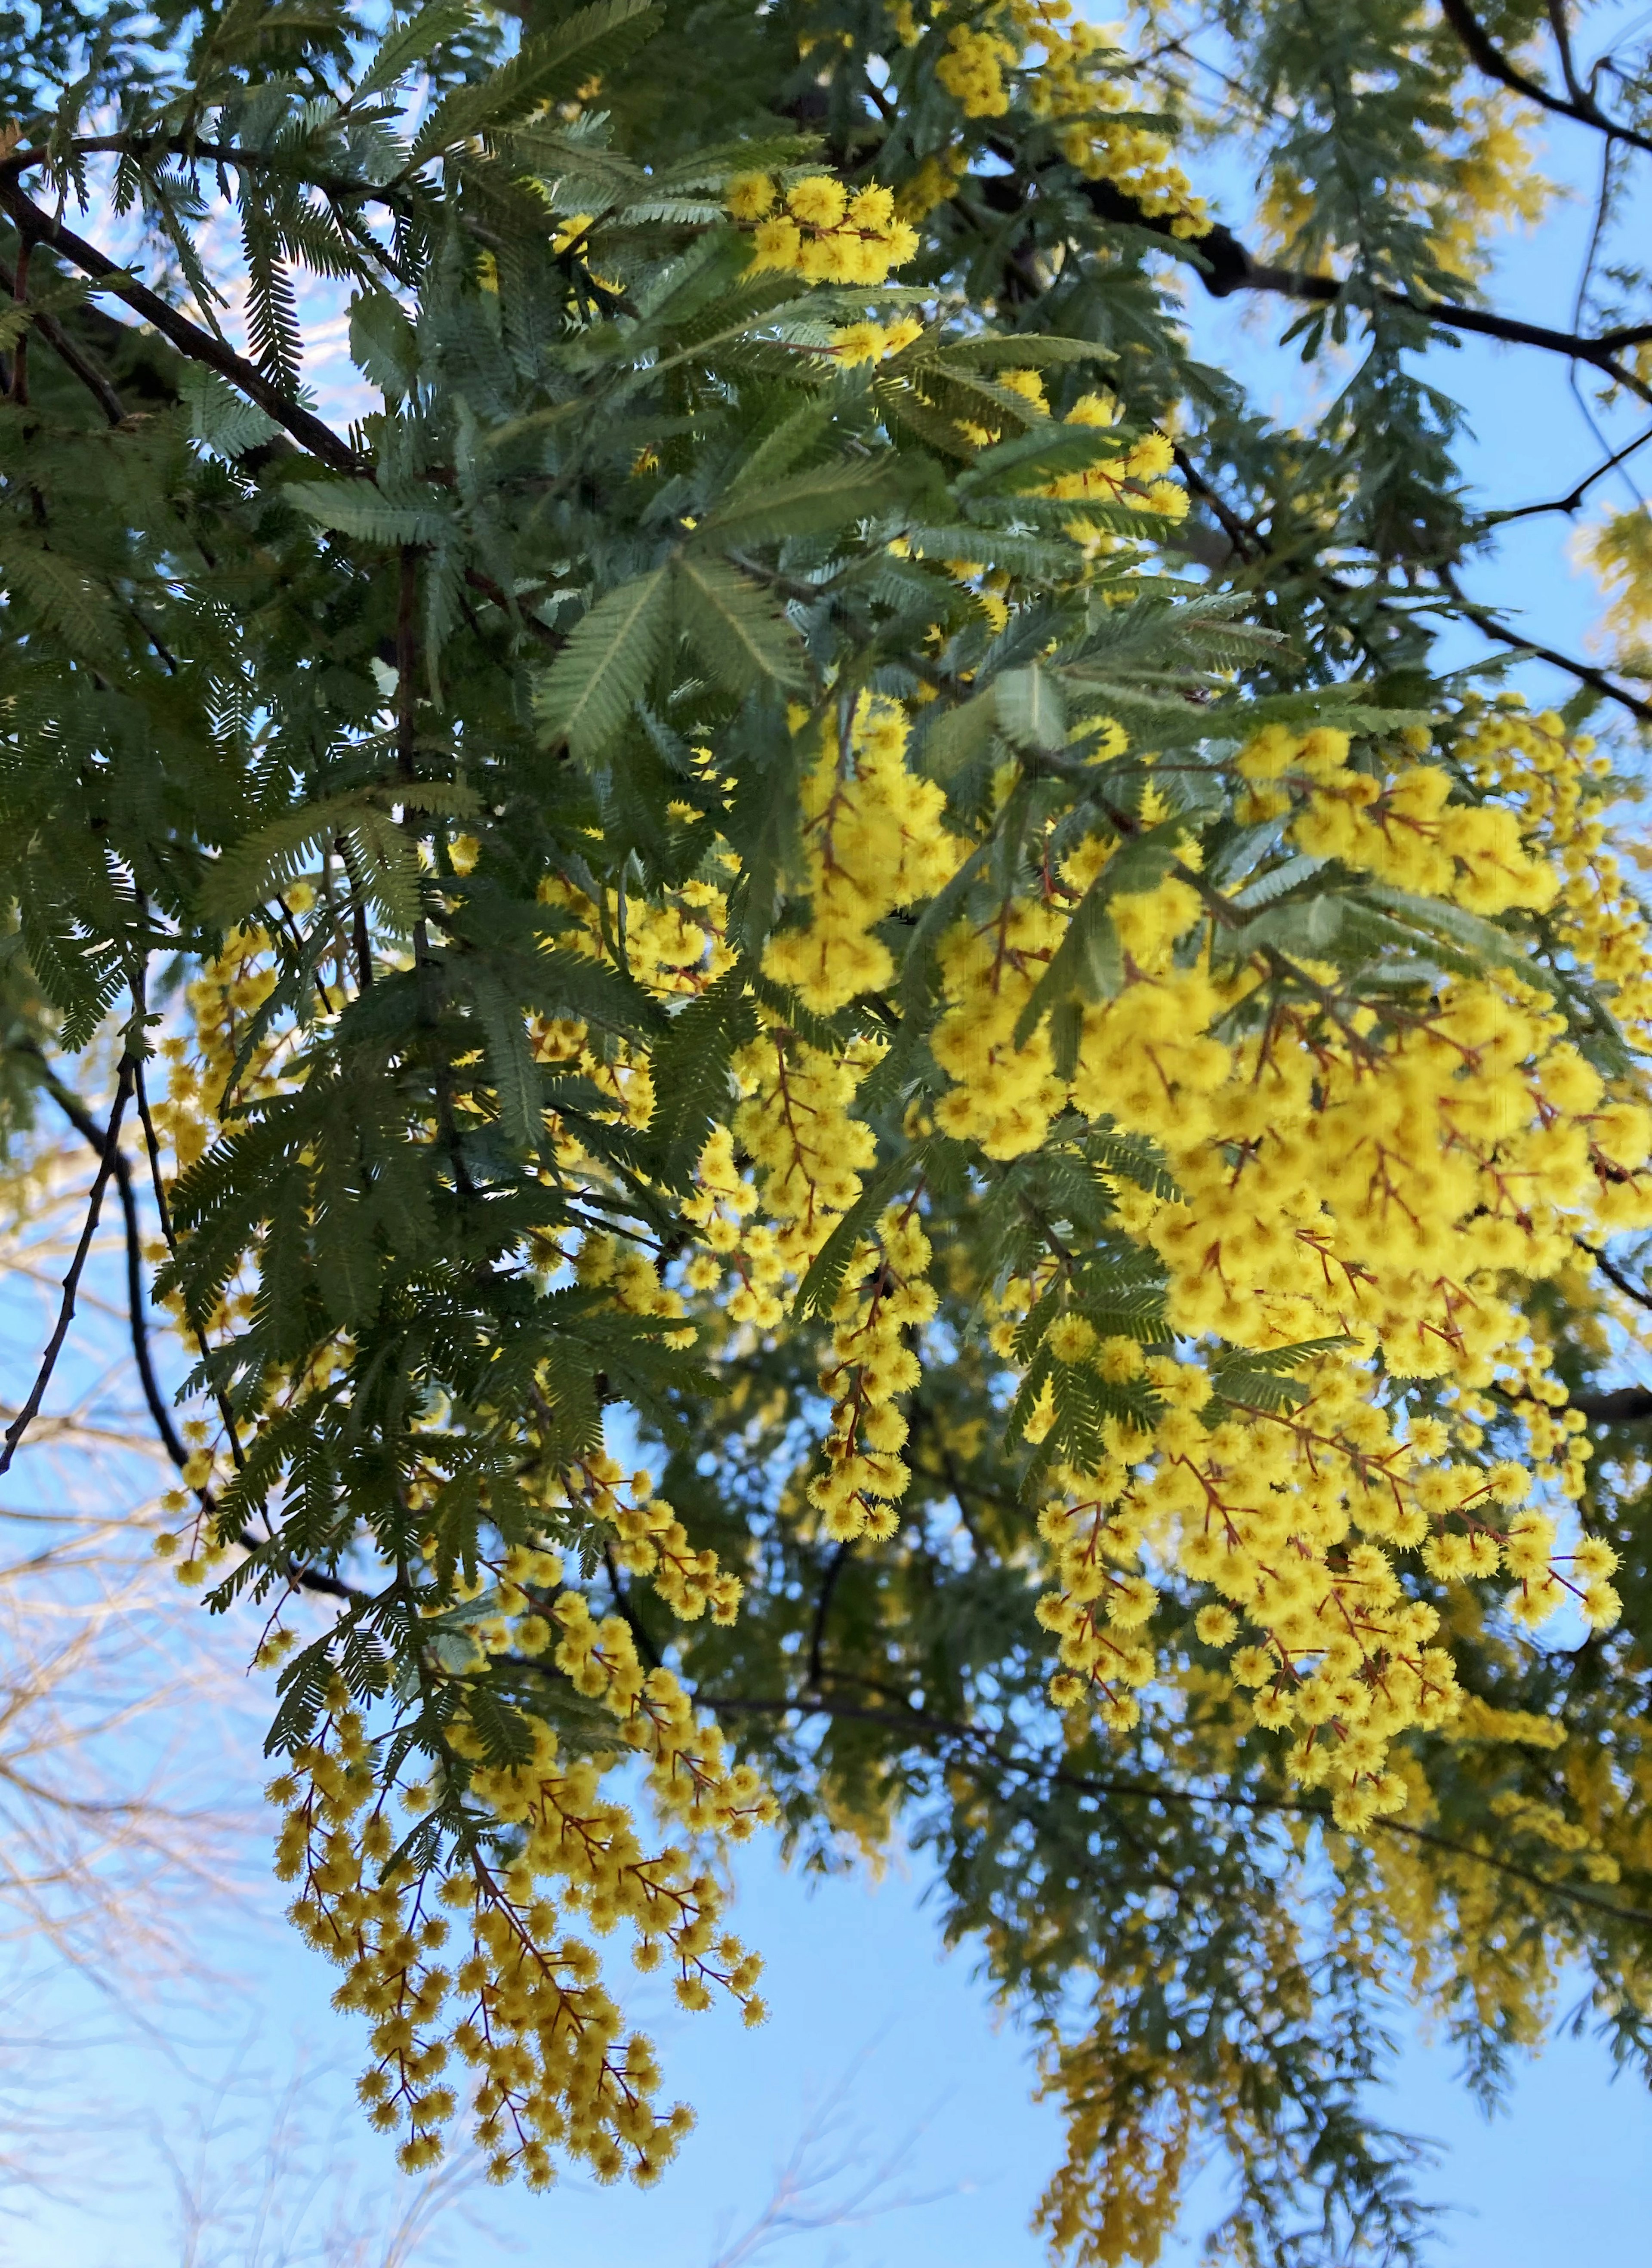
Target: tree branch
(1577, 103)
(814, 1704)
(629, 1614)
(108, 1145)
(1618, 1405)
(1569, 502)
(1584, 672)
(308, 1579)
(199, 345)
(823, 1608)
(86, 1126)
(210, 154)
(1225, 266)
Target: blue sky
(864, 2003)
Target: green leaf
(588, 43)
(1493, 947)
(1030, 709)
(736, 629)
(782, 445)
(60, 592)
(1281, 1360)
(813, 502)
(586, 695)
(1025, 350)
(219, 416)
(405, 44)
(516, 1076)
(825, 1275)
(691, 1072)
(357, 508)
(959, 736)
(384, 343)
(259, 867)
(1029, 460)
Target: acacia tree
(857, 1088)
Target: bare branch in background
(834, 2176)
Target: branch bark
(310, 432)
(1577, 103)
(109, 1147)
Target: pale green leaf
(586, 695)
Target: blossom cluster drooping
(874, 840)
(1364, 1187)
(482, 1960)
(1072, 76)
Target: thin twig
(26, 1415)
(1577, 104)
(308, 1579)
(1574, 497)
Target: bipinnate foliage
(740, 866)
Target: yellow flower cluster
(1136, 478)
(519, 1997)
(936, 180)
(229, 991)
(871, 1365)
(1620, 552)
(1005, 1095)
(1491, 183)
(1340, 1180)
(630, 1277)
(794, 1122)
(1293, 1516)
(1072, 75)
(652, 1541)
(972, 70)
(673, 948)
(1403, 829)
(1133, 479)
(857, 343)
(675, 945)
(1563, 788)
(1075, 84)
(874, 839)
(820, 230)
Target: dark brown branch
(108, 1147)
(86, 1126)
(1613, 1274)
(407, 660)
(1618, 1405)
(19, 389)
(1562, 32)
(69, 355)
(532, 623)
(1577, 103)
(1244, 541)
(343, 187)
(1225, 265)
(199, 345)
(629, 1614)
(823, 1608)
(1584, 672)
(1573, 499)
(308, 1579)
(158, 1181)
